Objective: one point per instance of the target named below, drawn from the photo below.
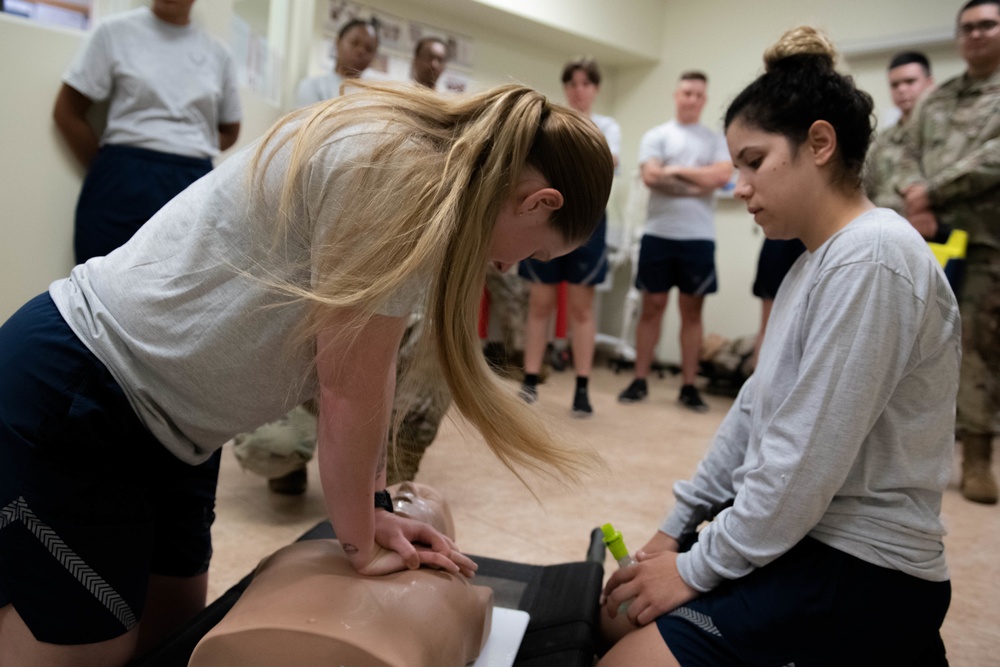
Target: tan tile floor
(645, 447)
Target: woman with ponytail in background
(287, 274)
(823, 485)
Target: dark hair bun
(802, 41)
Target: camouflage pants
(281, 447)
(979, 302)
(508, 306)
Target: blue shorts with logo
(813, 606)
(687, 265)
(587, 265)
(91, 503)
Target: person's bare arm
(676, 181)
(357, 375)
(70, 116)
(228, 134)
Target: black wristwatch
(383, 501)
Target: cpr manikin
(308, 606)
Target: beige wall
(726, 40)
(39, 181)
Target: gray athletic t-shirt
(846, 430)
(170, 86)
(673, 143)
(181, 314)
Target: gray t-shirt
(182, 315)
(170, 86)
(612, 132)
(673, 143)
(845, 431)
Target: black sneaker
(581, 404)
(690, 398)
(637, 391)
(528, 393)
(292, 484)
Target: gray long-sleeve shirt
(845, 431)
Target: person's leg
(647, 332)
(583, 332)
(647, 335)
(541, 306)
(979, 380)
(644, 646)
(170, 601)
(75, 524)
(19, 647)
(691, 335)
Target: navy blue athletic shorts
(666, 263)
(90, 502)
(776, 258)
(587, 265)
(815, 606)
(124, 187)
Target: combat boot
(978, 483)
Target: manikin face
(355, 51)
(775, 180)
(429, 63)
(690, 96)
(524, 228)
(979, 38)
(581, 91)
(423, 503)
(907, 83)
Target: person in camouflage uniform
(909, 78)
(280, 450)
(951, 175)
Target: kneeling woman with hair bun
(823, 485)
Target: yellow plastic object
(615, 543)
(954, 248)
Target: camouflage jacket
(881, 170)
(953, 146)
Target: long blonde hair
(422, 205)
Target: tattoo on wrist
(349, 549)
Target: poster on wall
(398, 38)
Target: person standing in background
(173, 105)
(582, 269)
(430, 57)
(683, 162)
(909, 78)
(356, 45)
(950, 175)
